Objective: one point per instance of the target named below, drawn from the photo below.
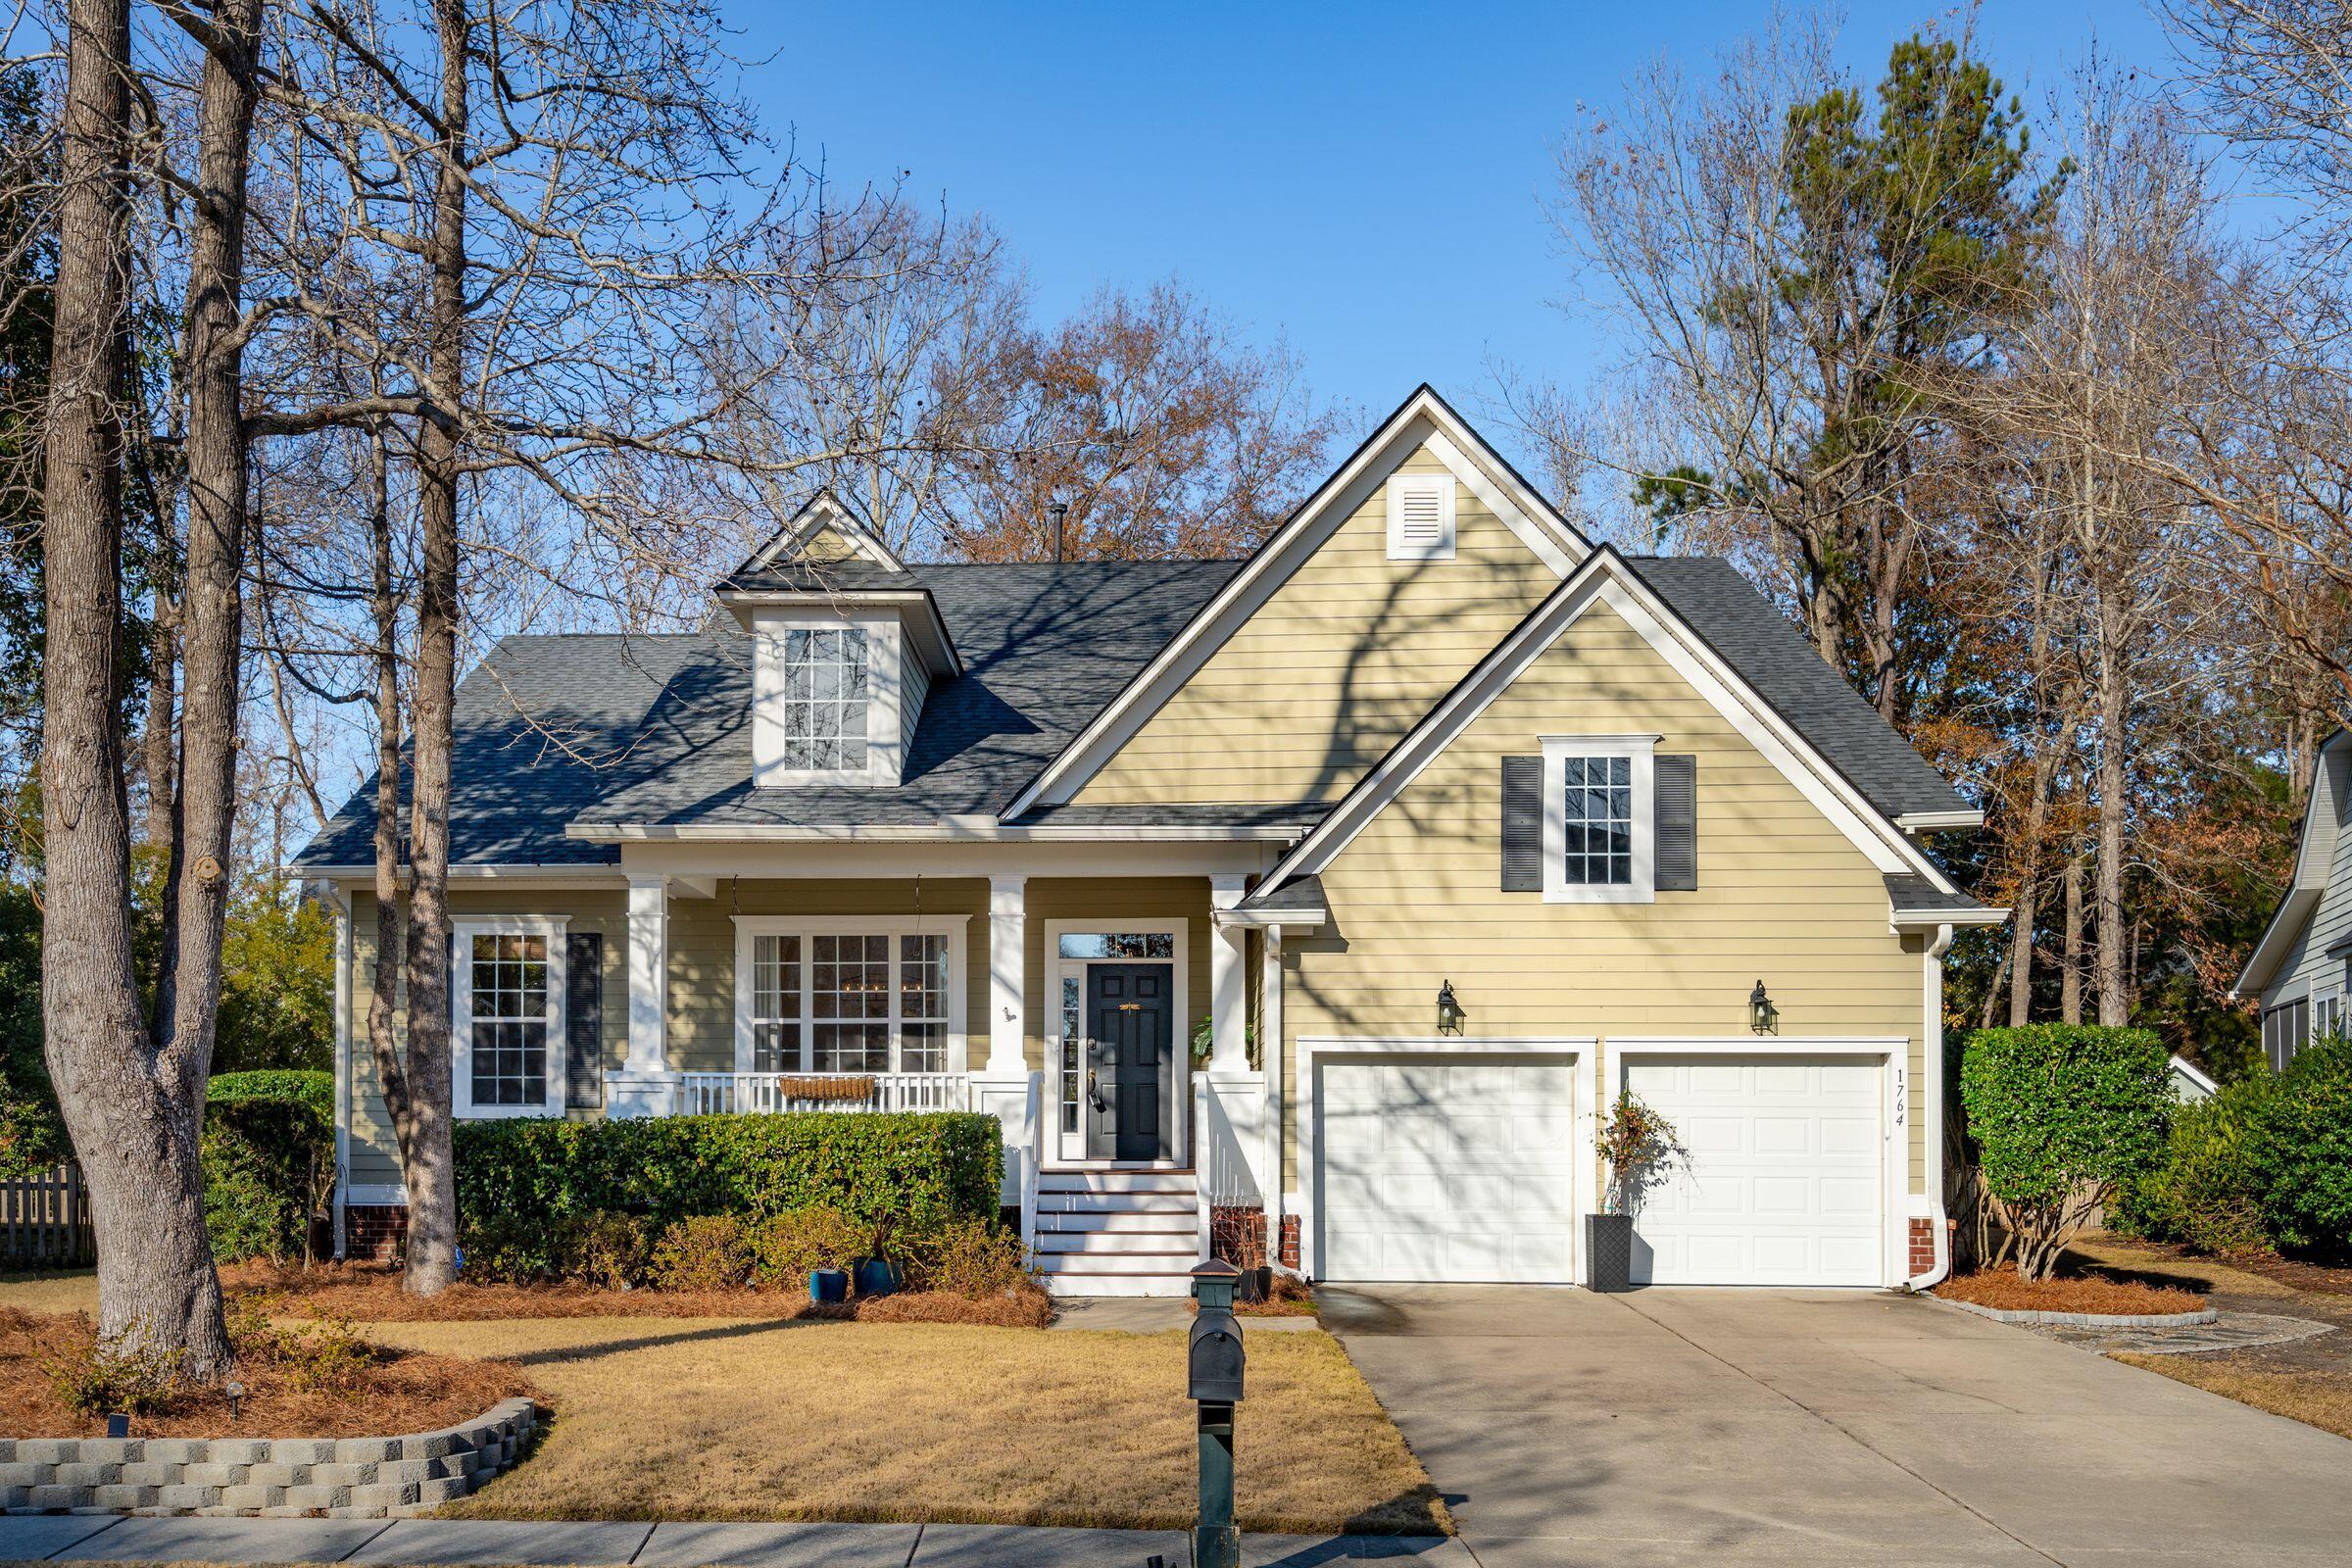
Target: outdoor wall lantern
(1450, 1012)
(1762, 1017)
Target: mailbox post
(1214, 1367)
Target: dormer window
(825, 700)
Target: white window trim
(885, 737)
(749, 926)
(1399, 487)
(1642, 750)
(460, 1010)
(1069, 1149)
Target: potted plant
(1641, 1150)
(877, 1275)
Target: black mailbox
(1214, 1361)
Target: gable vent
(1421, 517)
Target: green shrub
(611, 1252)
(913, 1171)
(787, 1248)
(509, 1250)
(2062, 1114)
(972, 1258)
(2301, 1150)
(97, 1379)
(2202, 1192)
(703, 1252)
(268, 1155)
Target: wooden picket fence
(45, 1221)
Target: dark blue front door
(1130, 1060)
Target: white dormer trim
(1424, 420)
(824, 512)
(885, 733)
(2314, 858)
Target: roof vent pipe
(1057, 510)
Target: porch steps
(1117, 1232)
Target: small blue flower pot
(829, 1285)
(876, 1277)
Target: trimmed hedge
(2204, 1192)
(521, 1181)
(2062, 1114)
(268, 1155)
(2299, 1153)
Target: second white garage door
(1448, 1169)
(1785, 1182)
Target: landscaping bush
(2203, 1190)
(787, 1248)
(703, 1252)
(611, 1252)
(509, 1250)
(2300, 1153)
(2062, 1114)
(910, 1171)
(973, 1258)
(269, 1156)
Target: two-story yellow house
(1325, 897)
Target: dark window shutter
(1677, 789)
(583, 1020)
(1523, 824)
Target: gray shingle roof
(1299, 894)
(656, 730)
(1762, 644)
(1910, 894)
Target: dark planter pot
(829, 1285)
(876, 1277)
(1255, 1286)
(1609, 1251)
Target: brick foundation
(374, 1232)
(1923, 1247)
(1238, 1235)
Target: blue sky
(1363, 180)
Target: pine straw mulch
(369, 1292)
(2004, 1291)
(395, 1392)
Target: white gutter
(1945, 920)
(1259, 919)
(1938, 821)
(1938, 1218)
(977, 828)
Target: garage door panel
(1785, 1183)
(1447, 1171)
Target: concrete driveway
(1680, 1426)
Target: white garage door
(1451, 1170)
(1785, 1183)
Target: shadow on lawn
(650, 1342)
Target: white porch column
(1228, 983)
(1007, 957)
(1006, 1087)
(645, 1085)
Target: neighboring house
(2189, 1082)
(2299, 969)
(1000, 837)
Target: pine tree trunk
(132, 1112)
(2115, 997)
(391, 913)
(432, 1165)
(2070, 975)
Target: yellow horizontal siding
(1782, 896)
(1343, 660)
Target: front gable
(1296, 687)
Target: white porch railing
(704, 1094)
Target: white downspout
(1931, 987)
(1270, 1051)
(343, 1063)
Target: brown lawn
(692, 1419)
(2317, 1396)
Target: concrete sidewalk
(101, 1537)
